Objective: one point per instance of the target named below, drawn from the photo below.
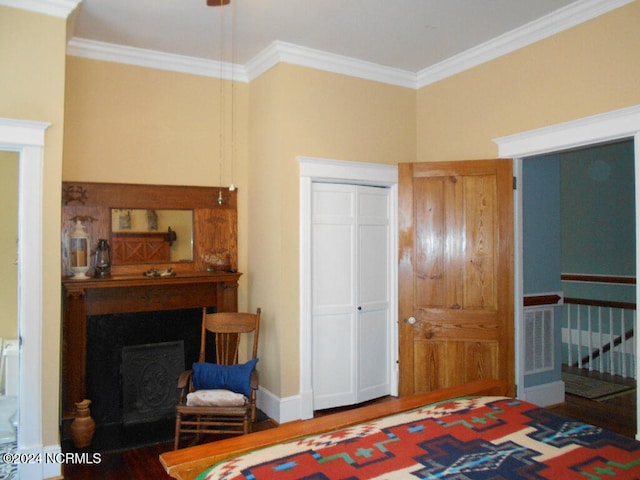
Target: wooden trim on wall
(546, 299)
(577, 277)
(600, 303)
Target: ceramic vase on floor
(83, 426)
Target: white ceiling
(406, 34)
(409, 36)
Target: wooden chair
(220, 398)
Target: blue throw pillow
(237, 378)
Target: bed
(467, 432)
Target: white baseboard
(44, 463)
(282, 410)
(52, 470)
(546, 394)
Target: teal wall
(541, 243)
(598, 230)
(598, 218)
(578, 217)
(541, 224)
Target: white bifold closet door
(351, 287)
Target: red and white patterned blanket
(466, 438)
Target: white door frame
(27, 138)
(356, 173)
(606, 127)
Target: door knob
(410, 320)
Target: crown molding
(109, 52)
(282, 52)
(55, 8)
(556, 22)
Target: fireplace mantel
(129, 294)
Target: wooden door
(455, 274)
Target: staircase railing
(599, 335)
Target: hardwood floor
(140, 463)
(617, 414)
(134, 464)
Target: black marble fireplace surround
(108, 334)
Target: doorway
(603, 128)
(354, 173)
(27, 140)
(9, 162)
(579, 260)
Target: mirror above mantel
(184, 228)
(151, 235)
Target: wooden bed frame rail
(188, 463)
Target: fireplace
(142, 310)
(119, 346)
(103, 316)
(125, 351)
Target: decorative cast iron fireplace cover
(150, 379)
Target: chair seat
(215, 398)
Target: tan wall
(590, 69)
(32, 60)
(303, 112)
(175, 123)
(8, 244)
(140, 125)
(127, 124)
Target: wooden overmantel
(129, 294)
(127, 290)
(215, 225)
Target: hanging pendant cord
(233, 90)
(221, 100)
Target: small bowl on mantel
(219, 268)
